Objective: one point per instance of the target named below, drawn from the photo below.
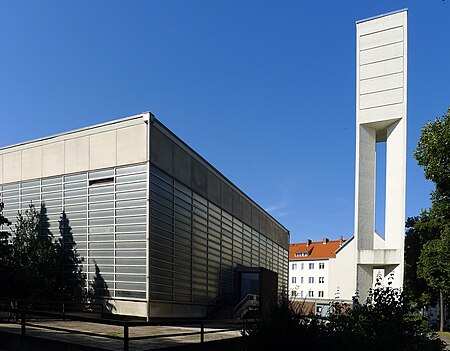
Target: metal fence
(28, 318)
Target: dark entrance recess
(257, 283)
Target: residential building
(165, 231)
(309, 269)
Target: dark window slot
(101, 181)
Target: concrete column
(366, 188)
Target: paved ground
(162, 340)
(445, 336)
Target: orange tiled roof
(315, 250)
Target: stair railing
(249, 302)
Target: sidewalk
(103, 343)
(445, 336)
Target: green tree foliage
(420, 230)
(434, 262)
(434, 267)
(427, 235)
(36, 258)
(433, 153)
(5, 262)
(36, 266)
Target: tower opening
(380, 188)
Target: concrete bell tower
(381, 108)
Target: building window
(311, 266)
(293, 293)
(294, 280)
(321, 265)
(301, 280)
(294, 266)
(311, 280)
(321, 279)
(310, 293)
(303, 266)
(301, 293)
(320, 293)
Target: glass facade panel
(201, 244)
(106, 253)
(194, 248)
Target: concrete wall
(381, 67)
(127, 308)
(342, 274)
(111, 144)
(381, 109)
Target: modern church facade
(167, 233)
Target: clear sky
(264, 90)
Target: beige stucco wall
(342, 274)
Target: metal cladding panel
(199, 178)
(161, 150)
(182, 165)
(255, 218)
(189, 168)
(237, 205)
(247, 212)
(214, 188)
(227, 198)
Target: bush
(383, 322)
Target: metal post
(202, 332)
(125, 338)
(22, 323)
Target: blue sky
(264, 90)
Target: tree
(36, 259)
(428, 236)
(5, 263)
(433, 153)
(38, 267)
(384, 322)
(434, 268)
(420, 230)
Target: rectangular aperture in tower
(381, 117)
